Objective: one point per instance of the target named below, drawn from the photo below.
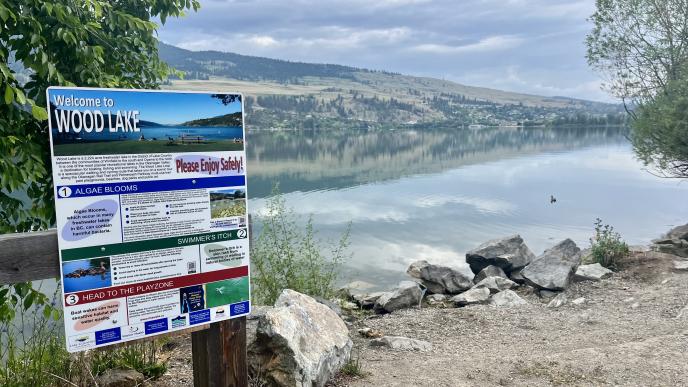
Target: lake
(436, 194)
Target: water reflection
(311, 160)
(436, 194)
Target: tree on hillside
(641, 47)
(96, 43)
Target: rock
(472, 296)
(554, 268)
(509, 253)
(436, 299)
(680, 232)
(594, 272)
(335, 308)
(407, 294)
(490, 271)
(367, 301)
(635, 305)
(674, 242)
(355, 289)
(544, 293)
(120, 378)
(496, 284)
(369, 333)
(348, 305)
(441, 279)
(638, 249)
(257, 312)
(558, 301)
(517, 277)
(401, 343)
(356, 286)
(681, 265)
(299, 342)
(507, 298)
(578, 301)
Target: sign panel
(150, 197)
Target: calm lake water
(436, 194)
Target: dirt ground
(632, 330)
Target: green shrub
(32, 346)
(286, 256)
(606, 245)
(139, 355)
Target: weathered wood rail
(218, 352)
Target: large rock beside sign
(299, 342)
(509, 254)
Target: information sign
(150, 198)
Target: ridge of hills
(285, 94)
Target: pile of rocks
(675, 242)
(497, 267)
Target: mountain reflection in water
(435, 194)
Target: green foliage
(94, 43)
(71, 43)
(660, 132)
(353, 367)
(31, 348)
(639, 45)
(140, 356)
(607, 246)
(288, 257)
(33, 352)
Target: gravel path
(626, 333)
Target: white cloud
(263, 41)
(490, 43)
(474, 42)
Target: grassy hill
(284, 94)
(233, 119)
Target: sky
(531, 46)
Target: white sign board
(150, 198)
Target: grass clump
(288, 256)
(353, 368)
(32, 345)
(606, 246)
(139, 355)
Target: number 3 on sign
(72, 299)
(241, 233)
(64, 192)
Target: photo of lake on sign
(101, 123)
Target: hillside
(233, 119)
(283, 94)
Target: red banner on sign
(88, 296)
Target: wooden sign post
(219, 352)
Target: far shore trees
(641, 47)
